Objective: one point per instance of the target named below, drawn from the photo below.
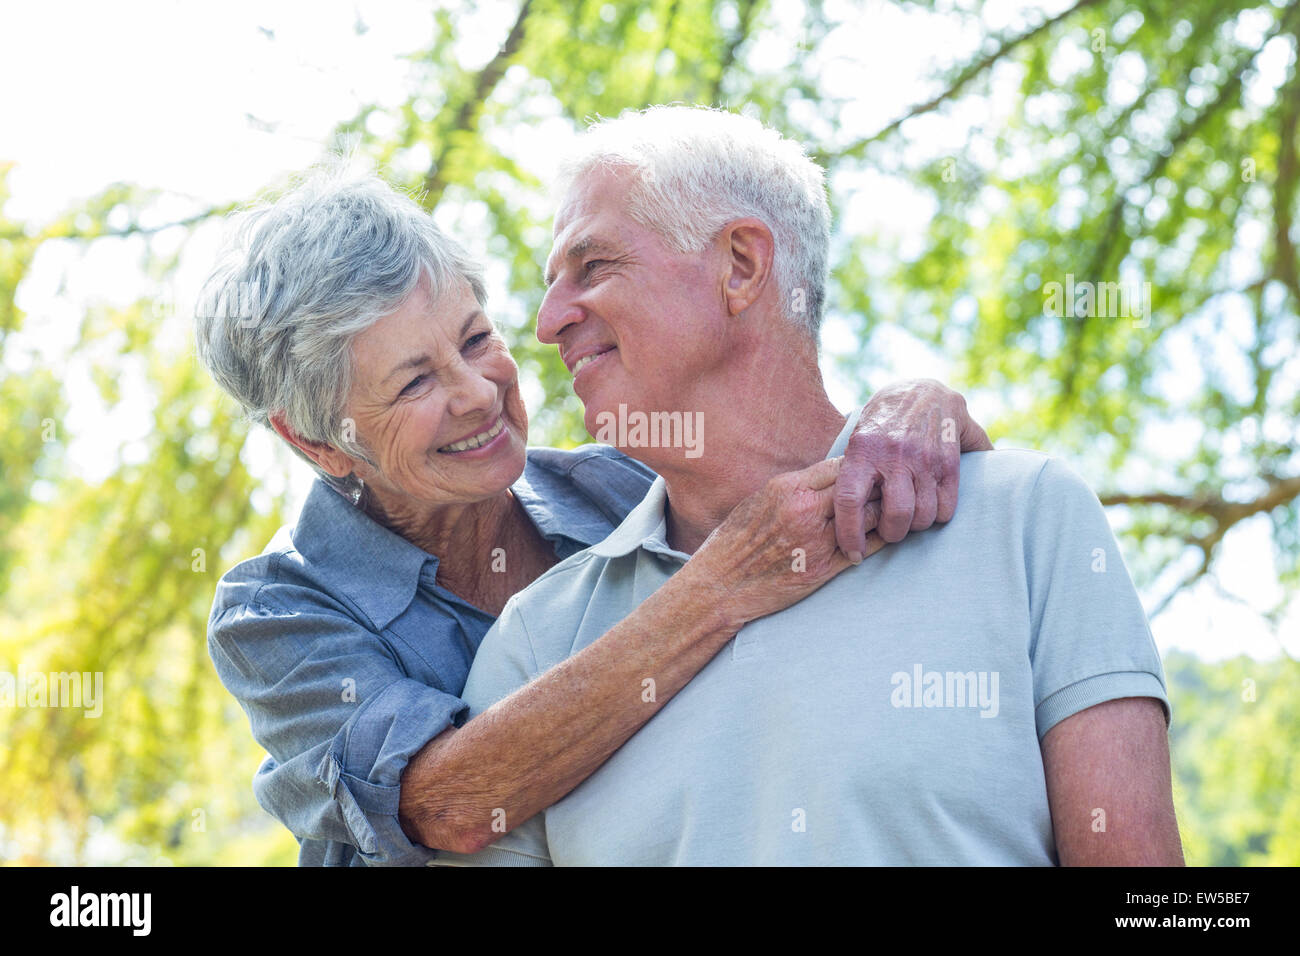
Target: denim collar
(354, 555)
(379, 570)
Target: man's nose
(557, 313)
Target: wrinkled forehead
(571, 205)
(591, 192)
(592, 208)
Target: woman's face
(435, 398)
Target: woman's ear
(750, 252)
(332, 460)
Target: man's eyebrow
(582, 247)
(419, 360)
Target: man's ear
(750, 252)
(327, 457)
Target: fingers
(820, 478)
(856, 482)
(947, 500)
(838, 562)
(821, 475)
(874, 543)
(927, 502)
(898, 504)
(974, 438)
(871, 514)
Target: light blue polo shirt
(893, 717)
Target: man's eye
(593, 263)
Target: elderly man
(985, 694)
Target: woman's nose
(471, 391)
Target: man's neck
(750, 434)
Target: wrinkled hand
(777, 546)
(902, 464)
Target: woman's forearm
(526, 752)
(529, 750)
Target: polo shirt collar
(842, 440)
(645, 525)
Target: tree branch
(1212, 505)
(746, 15)
(1177, 589)
(670, 20)
(1104, 250)
(1181, 135)
(467, 116)
(1280, 491)
(968, 73)
(134, 229)
(1284, 189)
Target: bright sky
(212, 103)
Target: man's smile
(582, 358)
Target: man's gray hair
(696, 169)
(298, 280)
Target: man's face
(638, 323)
(436, 401)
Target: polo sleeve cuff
(363, 765)
(1083, 694)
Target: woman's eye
(476, 340)
(413, 384)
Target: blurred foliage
(1151, 143)
(1235, 744)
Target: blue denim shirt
(347, 656)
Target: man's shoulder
(535, 630)
(566, 586)
(1019, 476)
(1003, 469)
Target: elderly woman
(342, 318)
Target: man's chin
(601, 420)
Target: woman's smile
(484, 442)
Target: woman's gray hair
(298, 280)
(696, 169)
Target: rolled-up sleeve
(339, 717)
(1091, 640)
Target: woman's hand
(776, 547)
(903, 462)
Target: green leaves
(1106, 144)
(1234, 741)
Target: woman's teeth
(479, 440)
